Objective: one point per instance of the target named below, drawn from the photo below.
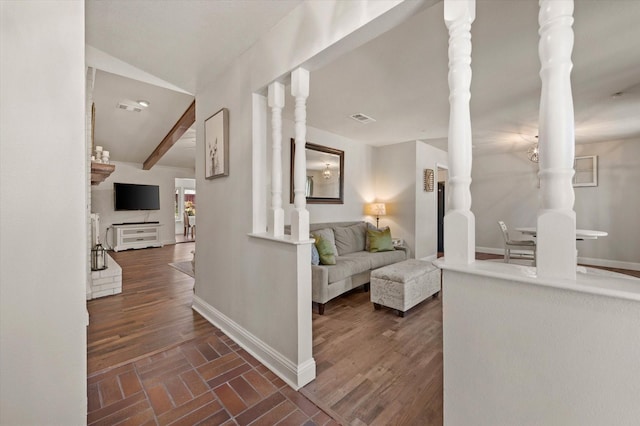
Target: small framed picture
(586, 171)
(216, 145)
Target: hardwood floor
(184, 239)
(209, 380)
(153, 360)
(152, 313)
(375, 368)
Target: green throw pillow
(325, 250)
(380, 240)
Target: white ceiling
(400, 78)
(132, 136)
(186, 43)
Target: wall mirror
(325, 174)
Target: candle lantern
(98, 258)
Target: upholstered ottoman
(403, 285)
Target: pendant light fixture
(326, 173)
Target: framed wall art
(586, 171)
(216, 145)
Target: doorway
(442, 207)
(440, 217)
(185, 209)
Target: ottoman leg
(376, 306)
(321, 308)
(366, 287)
(436, 294)
(400, 313)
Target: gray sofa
(353, 264)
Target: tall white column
(300, 214)
(276, 214)
(556, 247)
(459, 223)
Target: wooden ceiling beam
(182, 125)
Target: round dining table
(581, 234)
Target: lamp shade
(376, 209)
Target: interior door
(441, 217)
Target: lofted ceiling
(180, 45)
(132, 136)
(399, 78)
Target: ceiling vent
(128, 107)
(362, 118)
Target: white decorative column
(276, 214)
(556, 247)
(300, 214)
(459, 222)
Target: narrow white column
(556, 247)
(276, 214)
(459, 223)
(259, 162)
(300, 214)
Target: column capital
(276, 95)
(459, 10)
(300, 83)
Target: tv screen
(130, 196)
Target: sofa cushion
(350, 239)
(325, 251)
(315, 256)
(347, 266)
(327, 234)
(384, 258)
(379, 240)
(367, 241)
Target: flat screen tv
(130, 196)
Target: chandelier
(326, 173)
(532, 153)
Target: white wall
(165, 177)
(426, 221)
(234, 275)
(412, 212)
(358, 179)
(505, 187)
(43, 230)
(395, 185)
(528, 353)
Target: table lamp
(377, 210)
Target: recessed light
(143, 103)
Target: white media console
(136, 235)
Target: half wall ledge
(285, 239)
(588, 280)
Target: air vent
(362, 118)
(127, 107)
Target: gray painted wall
(505, 187)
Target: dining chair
(187, 226)
(509, 244)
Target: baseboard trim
(295, 375)
(632, 266)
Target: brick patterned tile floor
(205, 381)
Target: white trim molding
(295, 375)
(590, 261)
